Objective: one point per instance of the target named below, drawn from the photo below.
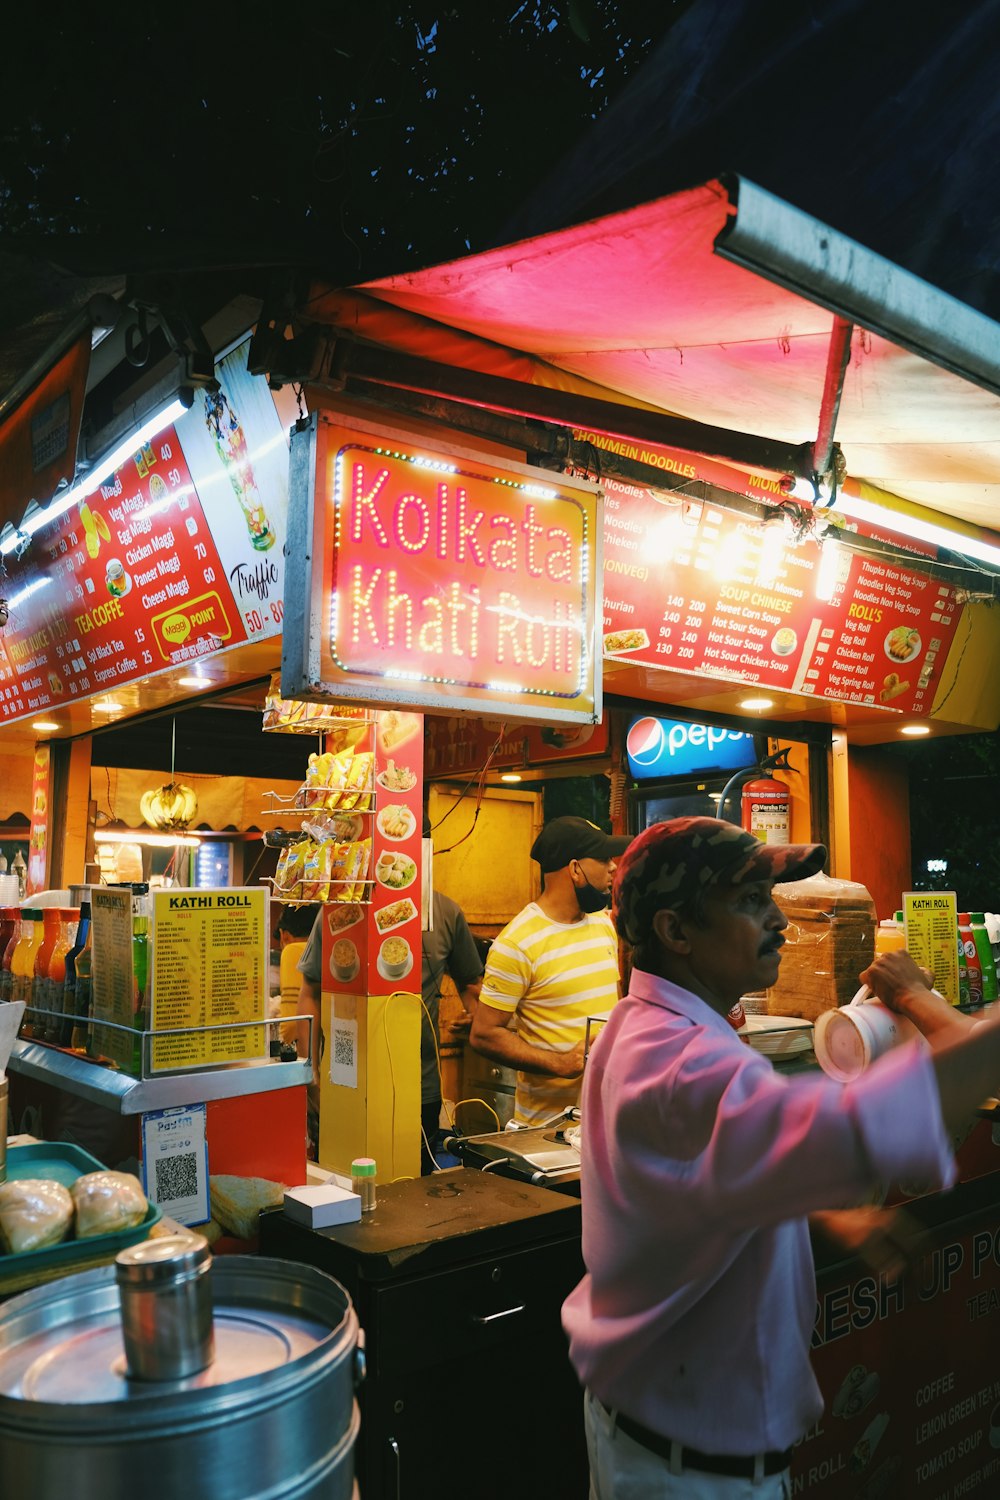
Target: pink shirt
(699, 1165)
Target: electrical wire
(939, 704)
(480, 782)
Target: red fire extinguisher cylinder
(767, 810)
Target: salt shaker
(363, 1182)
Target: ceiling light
(45, 724)
(153, 840)
(915, 729)
(510, 776)
(106, 706)
(164, 417)
(756, 703)
(906, 525)
(194, 682)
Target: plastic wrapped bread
(829, 939)
(34, 1213)
(106, 1202)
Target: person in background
(309, 1002)
(690, 1330)
(553, 967)
(292, 931)
(448, 947)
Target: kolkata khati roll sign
(449, 575)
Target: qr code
(176, 1177)
(343, 1049)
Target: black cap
(565, 839)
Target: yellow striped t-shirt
(551, 976)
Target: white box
(320, 1206)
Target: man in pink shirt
(691, 1327)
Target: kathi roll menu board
(690, 586)
(177, 555)
(210, 968)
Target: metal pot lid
(89, 1365)
(157, 1262)
(63, 1344)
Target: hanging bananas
(170, 807)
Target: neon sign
(436, 572)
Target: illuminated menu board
(177, 556)
(695, 588)
(436, 574)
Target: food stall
(533, 553)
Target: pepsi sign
(667, 747)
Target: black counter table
(458, 1280)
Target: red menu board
(176, 556)
(692, 587)
(375, 949)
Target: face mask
(591, 899)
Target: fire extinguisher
(767, 810)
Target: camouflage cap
(671, 862)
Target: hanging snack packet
(358, 857)
(314, 886)
(360, 778)
(295, 869)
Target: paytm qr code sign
(175, 1162)
(343, 1052)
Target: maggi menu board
(693, 587)
(177, 555)
(209, 970)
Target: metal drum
(272, 1416)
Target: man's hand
(568, 1064)
(894, 975)
(906, 988)
(889, 1240)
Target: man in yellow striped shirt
(551, 968)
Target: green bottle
(985, 950)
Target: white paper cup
(848, 1040)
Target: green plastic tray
(61, 1161)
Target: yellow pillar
(370, 1084)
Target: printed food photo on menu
(396, 778)
(395, 914)
(395, 958)
(396, 821)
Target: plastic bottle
(40, 974)
(82, 1038)
(986, 962)
(140, 970)
(973, 968)
(23, 962)
(889, 936)
(68, 918)
(10, 927)
(20, 869)
(963, 972)
(69, 982)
